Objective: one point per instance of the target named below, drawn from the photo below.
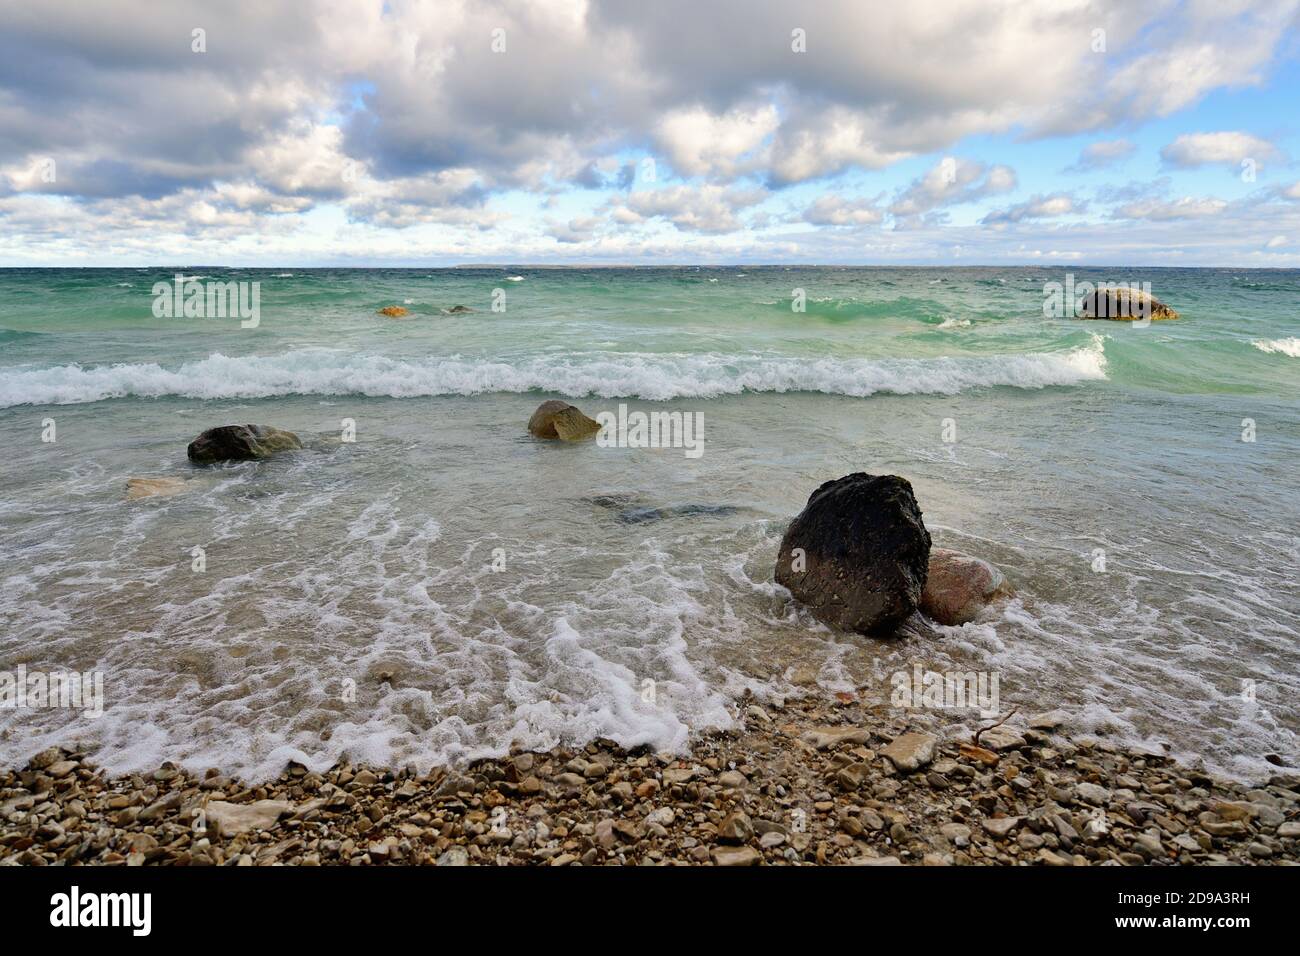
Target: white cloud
(1164, 210)
(409, 96)
(707, 208)
(1102, 154)
(1225, 148)
(1207, 45)
(828, 142)
(699, 143)
(1039, 207)
(575, 230)
(305, 159)
(709, 85)
(451, 196)
(833, 210)
(952, 181)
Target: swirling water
(446, 587)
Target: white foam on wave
(448, 661)
(1289, 346)
(650, 376)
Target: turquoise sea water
(354, 599)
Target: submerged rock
(645, 515)
(457, 310)
(240, 443)
(858, 554)
(959, 586)
(154, 487)
(1125, 305)
(394, 311)
(634, 508)
(561, 420)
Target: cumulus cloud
(575, 230)
(952, 181)
(699, 143)
(1165, 210)
(406, 113)
(1223, 149)
(707, 208)
(1214, 45)
(451, 196)
(418, 87)
(1134, 190)
(1039, 207)
(833, 210)
(828, 142)
(1102, 154)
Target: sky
(933, 132)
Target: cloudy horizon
(342, 132)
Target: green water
(373, 562)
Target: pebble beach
(801, 782)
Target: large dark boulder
(865, 554)
(240, 443)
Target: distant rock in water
(615, 501)
(561, 420)
(1125, 305)
(959, 586)
(154, 487)
(457, 310)
(858, 554)
(633, 509)
(240, 443)
(394, 311)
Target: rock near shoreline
(560, 420)
(858, 554)
(240, 443)
(958, 587)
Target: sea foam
(1289, 346)
(649, 376)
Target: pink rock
(959, 586)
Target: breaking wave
(649, 376)
(1289, 346)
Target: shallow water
(354, 599)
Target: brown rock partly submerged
(240, 443)
(1124, 304)
(394, 311)
(959, 586)
(560, 420)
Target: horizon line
(670, 265)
